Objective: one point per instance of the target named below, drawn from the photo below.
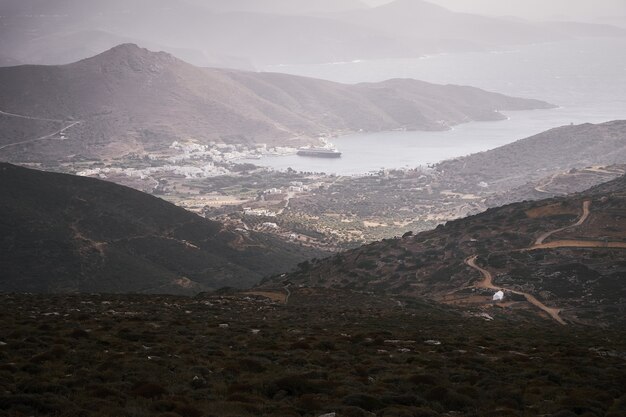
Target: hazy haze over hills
(296, 208)
(245, 33)
(576, 10)
(423, 20)
(216, 35)
(281, 6)
(131, 100)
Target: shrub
(149, 390)
(449, 399)
(252, 365)
(407, 400)
(309, 402)
(301, 344)
(423, 379)
(188, 411)
(364, 401)
(295, 385)
(78, 334)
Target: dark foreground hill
(131, 100)
(564, 258)
(67, 234)
(324, 352)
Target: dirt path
(601, 170)
(577, 244)
(21, 116)
(287, 292)
(274, 296)
(487, 282)
(50, 136)
(581, 220)
(290, 195)
(541, 188)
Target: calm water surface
(587, 78)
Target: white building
(499, 296)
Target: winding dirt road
(21, 116)
(487, 283)
(578, 244)
(50, 136)
(541, 188)
(275, 296)
(581, 220)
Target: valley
(339, 208)
(338, 212)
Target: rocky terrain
(563, 258)
(323, 353)
(67, 234)
(131, 100)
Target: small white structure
(499, 296)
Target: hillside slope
(563, 257)
(66, 234)
(131, 100)
(537, 157)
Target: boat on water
(325, 151)
(319, 152)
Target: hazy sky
(584, 10)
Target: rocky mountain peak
(133, 57)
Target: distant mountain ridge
(246, 34)
(66, 234)
(132, 100)
(281, 6)
(417, 19)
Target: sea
(586, 78)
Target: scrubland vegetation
(326, 352)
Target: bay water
(586, 78)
